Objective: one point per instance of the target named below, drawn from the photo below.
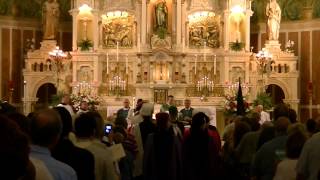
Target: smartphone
(107, 129)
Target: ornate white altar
(189, 56)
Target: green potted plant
(236, 46)
(85, 44)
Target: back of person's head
(146, 110)
(173, 113)
(292, 115)
(99, 123)
(162, 120)
(311, 126)
(85, 126)
(241, 128)
(66, 120)
(281, 125)
(14, 150)
(45, 128)
(199, 122)
(281, 110)
(295, 144)
(121, 122)
(119, 134)
(267, 134)
(296, 127)
(21, 120)
(6, 108)
(254, 121)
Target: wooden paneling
(38, 39)
(67, 41)
(304, 71)
(294, 36)
(263, 39)
(254, 42)
(5, 59)
(316, 66)
(282, 40)
(17, 61)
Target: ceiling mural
(31, 8)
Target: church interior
(220, 57)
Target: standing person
(84, 107)
(45, 131)
(170, 102)
(286, 169)
(187, 111)
(122, 114)
(66, 103)
(308, 166)
(81, 160)
(263, 166)
(162, 157)
(146, 126)
(200, 155)
(134, 113)
(264, 116)
(105, 167)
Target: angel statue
(50, 19)
(273, 13)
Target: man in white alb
(264, 116)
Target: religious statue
(50, 19)
(161, 13)
(273, 13)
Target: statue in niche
(50, 19)
(161, 14)
(139, 78)
(273, 12)
(85, 75)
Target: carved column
(247, 43)
(226, 29)
(74, 14)
(179, 22)
(95, 31)
(144, 23)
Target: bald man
(264, 116)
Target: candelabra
(232, 89)
(83, 89)
(117, 86)
(264, 61)
(57, 56)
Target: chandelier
(264, 60)
(57, 56)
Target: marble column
(74, 14)
(226, 29)
(144, 23)
(95, 31)
(247, 30)
(179, 22)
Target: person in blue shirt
(45, 131)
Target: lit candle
(204, 52)
(107, 63)
(127, 64)
(195, 65)
(117, 51)
(215, 65)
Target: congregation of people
(137, 144)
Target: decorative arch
(282, 85)
(41, 82)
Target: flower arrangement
(92, 100)
(85, 44)
(230, 105)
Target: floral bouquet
(230, 105)
(92, 100)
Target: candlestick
(117, 51)
(215, 65)
(204, 52)
(195, 65)
(107, 63)
(127, 64)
